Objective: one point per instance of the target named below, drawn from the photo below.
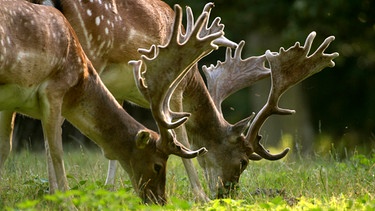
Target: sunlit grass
(295, 183)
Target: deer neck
(84, 106)
(205, 116)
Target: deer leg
(54, 151)
(111, 174)
(190, 169)
(51, 123)
(112, 166)
(6, 131)
(188, 164)
(53, 186)
(55, 163)
(7, 99)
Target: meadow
(318, 182)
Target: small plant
(40, 185)
(360, 160)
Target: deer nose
(151, 198)
(227, 189)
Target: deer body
(45, 74)
(111, 33)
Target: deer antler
(161, 69)
(234, 74)
(287, 69)
(216, 26)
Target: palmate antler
(288, 68)
(161, 69)
(234, 74)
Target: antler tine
(233, 74)
(287, 69)
(162, 68)
(216, 26)
(298, 56)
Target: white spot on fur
(82, 23)
(97, 21)
(89, 12)
(106, 31)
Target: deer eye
(157, 168)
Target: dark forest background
(335, 108)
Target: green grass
(314, 183)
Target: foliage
(295, 183)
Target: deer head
(287, 68)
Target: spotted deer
(135, 24)
(45, 74)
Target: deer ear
(142, 139)
(242, 125)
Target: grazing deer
(45, 74)
(138, 24)
(287, 68)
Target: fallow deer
(135, 24)
(45, 74)
(286, 69)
